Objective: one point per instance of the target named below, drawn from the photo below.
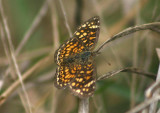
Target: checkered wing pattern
(75, 68)
(83, 85)
(84, 39)
(64, 75)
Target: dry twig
(155, 26)
(12, 55)
(128, 69)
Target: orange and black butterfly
(76, 69)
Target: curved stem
(151, 26)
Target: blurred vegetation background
(114, 95)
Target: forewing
(83, 85)
(84, 39)
(72, 47)
(88, 32)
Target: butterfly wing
(79, 76)
(84, 39)
(83, 85)
(88, 32)
(64, 75)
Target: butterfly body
(75, 59)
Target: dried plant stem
(144, 104)
(154, 90)
(45, 61)
(12, 54)
(158, 53)
(28, 55)
(83, 106)
(10, 62)
(128, 69)
(30, 31)
(129, 16)
(155, 26)
(42, 12)
(56, 44)
(133, 84)
(54, 19)
(65, 17)
(152, 95)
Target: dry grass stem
(119, 25)
(128, 69)
(10, 62)
(13, 58)
(144, 104)
(130, 30)
(41, 14)
(28, 55)
(45, 61)
(30, 31)
(56, 44)
(65, 18)
(54, 20)
(153, 91)
(83, 106)
(158, 53)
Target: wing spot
(77, 33)
(88, 72)
(67, 45)
(77, 84)
(82, 47)
(88, 77)
(61, 56)
(81, 36)
(90, 44)
(85, 41)
(79, 80)
(73, 84)
(73, 71)
(66, 70)
(68, 49)
(92, 38)
(82, 72)
(84, 25)
(94, 26)
(84, 34)
(78, 90)
(87, 89)
(82, 31)
(61, 72)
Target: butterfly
(75, 59)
